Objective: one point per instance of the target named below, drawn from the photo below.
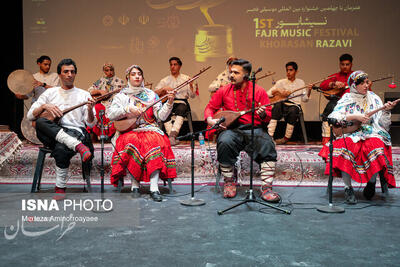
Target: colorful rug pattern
(297, 165)
(9, 145)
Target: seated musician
(337, 82)
(43, 79)
(363, 154)
(180, 109)
(109, 82)
(69, 135)
(237, 96)
(290, 109)
(222, 78)
(143, 153)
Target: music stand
(250, 197)
(330, 208)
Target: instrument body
(336, 91)
(278, 95)
(127, 124)
(231, 116)
(354, 125)
(29, 132)
(20, 82)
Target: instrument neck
(381, 108)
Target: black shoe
(369, 190)
(384, 186)
(156, 196)
(135, 193)
(349, 195)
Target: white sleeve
(160, 85)
(56, 81)
(86, 112)
(305, 97)
(119, 107)
(43, 99)
(164, 111)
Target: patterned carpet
(297, 165)
(9, 145)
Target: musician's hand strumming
(53, 109)
(171, 97)
(261, 112)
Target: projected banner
(269, 33)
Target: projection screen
(205, 33)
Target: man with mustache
(69, 135)
(237, 96)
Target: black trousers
(291, 113)
(179, 109)
(46, 132)
(329, 108)
(231, 142)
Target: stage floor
(141, 232)
(297, 165)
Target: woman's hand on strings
(134, 112)
(389, 105)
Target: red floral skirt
(360, 160)
(142, 152)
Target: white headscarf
(134, 89)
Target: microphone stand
(102, 139)
(193, 201)
(330, 208)
(250, 197)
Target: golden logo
(123, 20)
(144, 19)
(107, 20)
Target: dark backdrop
(11, 59)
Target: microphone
(221, 120)
(337, 123)
(258, 70)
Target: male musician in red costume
(339, 80)
(69, 135)
(237, 96)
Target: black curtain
(11, 108)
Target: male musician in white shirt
(180, 109)
(43, 79)
(290, 110)
(69, 135)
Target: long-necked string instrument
(130, 123)
(231, 116)
(352, 126)
(97, 93)
(335, 90)
(278, 95)
(269, 73)
(47, 115)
